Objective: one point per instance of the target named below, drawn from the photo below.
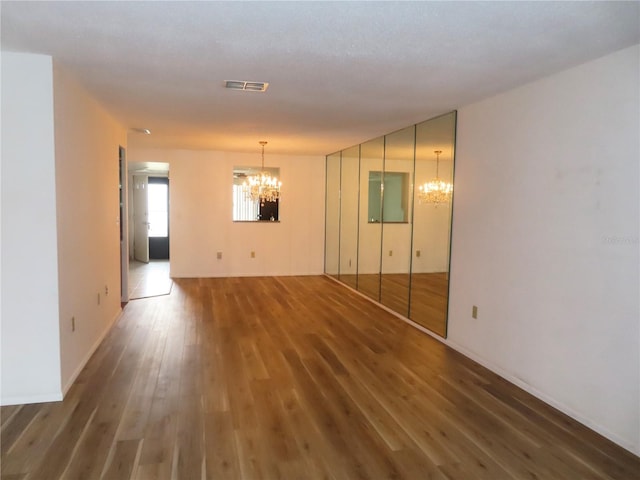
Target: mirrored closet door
(397, 203)
(435, 141)
(370, 215)
(388, 219)
(332, 216)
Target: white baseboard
(40, 398)
(91, 351)
(245, 275)
(635, 449)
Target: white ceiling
(339, 73)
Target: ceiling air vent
(248, 86)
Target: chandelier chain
(262, 187)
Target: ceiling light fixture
(246, 86)
(436, 191)
(263, 186)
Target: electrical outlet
(106, 290)
(417, 253)
(474, 312)
(253, 254)
(391, 253)
(219, 255)
(73, 324)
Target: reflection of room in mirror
(396, 235)
(370, 234)
(332, 216)
(247, 209)
(393, 206)
(438, 190)
(432, 225)
(349, 196)
(429, 292)
(380, 238)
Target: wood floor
(291, 378)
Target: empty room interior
(380, 239)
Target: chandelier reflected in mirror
(436, 191)
(263, 186)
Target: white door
(140, 219)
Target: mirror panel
(370, 234)
(432, 225)
(349, 197)
(397, 196)
(332, 216)
(387, 234)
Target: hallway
(149, 279)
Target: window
(158, 208)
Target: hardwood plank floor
(291, 378)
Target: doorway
(150, 279)
(149, 267)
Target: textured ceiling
(339, 73)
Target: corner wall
(87, 144)
(30, 356)
(545, 241)
(201, 208)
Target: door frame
(124, 223)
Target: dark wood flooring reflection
(291, 378)
(426, 304)
(429, 294)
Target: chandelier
(262, 186)
(436, 191)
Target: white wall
(545, 241)
(87, 144)
(30, 355)
(201, 207)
